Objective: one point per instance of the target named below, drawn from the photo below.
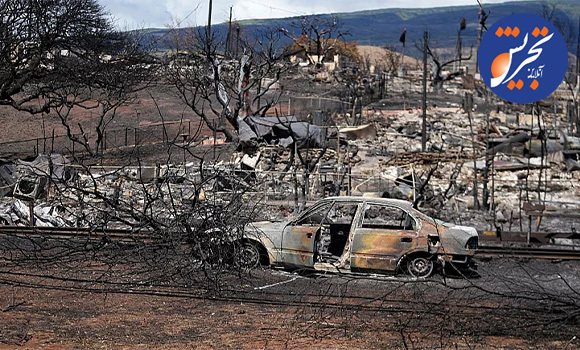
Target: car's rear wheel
(420, 266)
(247, 256)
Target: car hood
(268, 232)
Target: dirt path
(274, 310)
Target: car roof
(398, 202)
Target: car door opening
(334, 232)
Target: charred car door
(299, 237)
(383, 235)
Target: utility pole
(403, 39)
(481, 18)
(424, 127)
(576, 104)
(237, 38)
(208, 33)
(468, 105)
(488, 162)
(578, 57)
(479, 29)
(229, 35)
(462, 27)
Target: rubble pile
(493, 166)
(61, 194)
(521, 168)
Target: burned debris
(201, 172)
(298, 159)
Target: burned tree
(179, 222)
(390, 61)
(308, 144)
(224, 91)
(66, 54)
(318, 39)
(441, 64)
(38, 38)
(101, 88)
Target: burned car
(359, 234)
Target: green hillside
(383, 27)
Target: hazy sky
(133, 14)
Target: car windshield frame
(312, 209)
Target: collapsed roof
(283, 131)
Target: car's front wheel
(420, 266)
(247, 255)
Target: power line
(306, 14)
(276, 8)
(177, 24)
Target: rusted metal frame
(406, 210)
(383, 250)
(366, 259)
(258, 237)
(313, 209)
(302, 252)
(346, 252)
(445, 252)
